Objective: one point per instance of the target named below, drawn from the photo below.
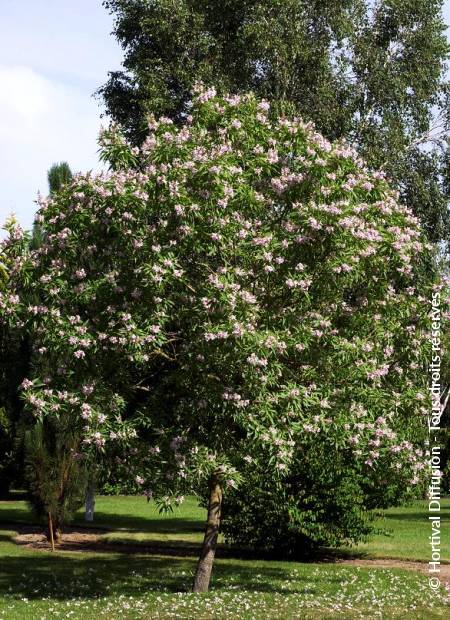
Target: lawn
(405, 532)
(402, 532)
(40, 585)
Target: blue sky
(53, 55)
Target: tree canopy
(242, 295)
(371, 72)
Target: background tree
(14, 365)
(58, 175)
(247, 297)
(39, 456)
(372, 72)
(14, 358)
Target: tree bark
(90, 501)
(53, 531)
(50, 529)
(206, 560)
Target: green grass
(40, 585)
(406, 531)
(403, 532)
(134, 521)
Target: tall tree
(58, 176)
(14, 364)
(54, 479)
(373, 72)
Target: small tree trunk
(90, 501)
(50, 529)
(206, 560)
(57, 533)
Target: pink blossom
(272, 156)
(86, 411)
(256, 361)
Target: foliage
(13, 356)
(117, 470)
(355, 68)
(13, 366)
(245, 295)
(323, 504)
(58, 176)
(7, 465)
(55, 478)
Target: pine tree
(56, 479)
(58, 176)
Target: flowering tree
(240, 290)
(12, 368)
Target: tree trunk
(50, 529)
(53, 532)
(206, 560)
(90, 501)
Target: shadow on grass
(16, 515)
(117, 524)
(61, 578)
(331, 556)
(407, 516)
(417, 512)
(177, 548)
(162, 525)
(7, 537)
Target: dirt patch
(72, 539)
(89, 539)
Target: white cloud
(53, 55)
(60, 38)
(42, 121)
